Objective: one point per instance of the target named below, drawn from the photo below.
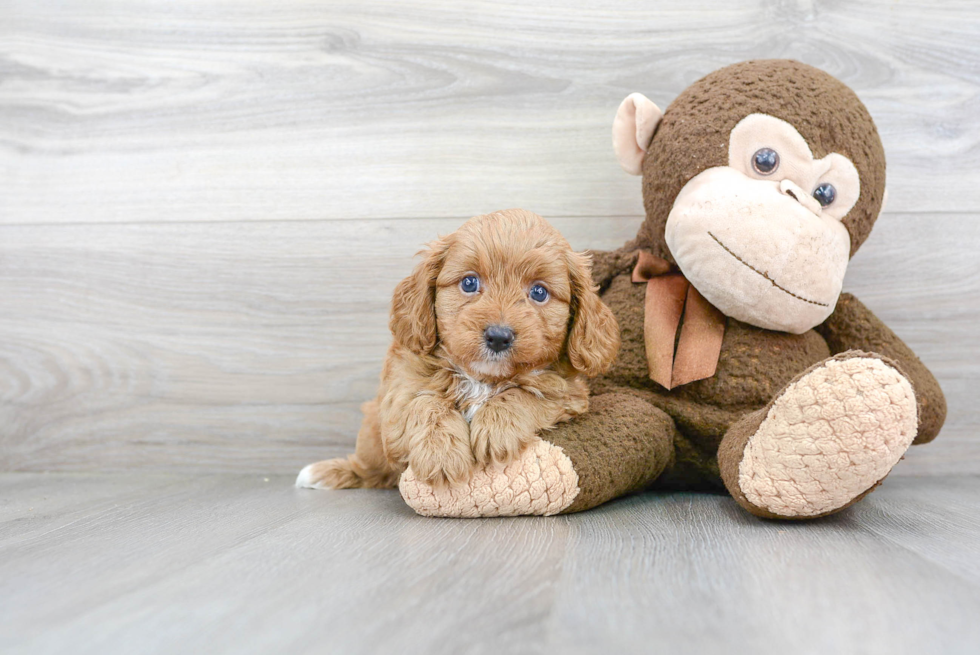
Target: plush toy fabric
(743, 366)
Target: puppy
(494, 334)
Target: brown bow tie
(674, 360)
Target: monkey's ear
(413, 309)
(636, 119)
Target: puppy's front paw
(497, 438)
(442, 455)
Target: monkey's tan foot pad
(830, 437)
(541, 482)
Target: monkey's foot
(825, 442)
(540, 482)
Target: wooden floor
(247, 564)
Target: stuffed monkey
(743, 367)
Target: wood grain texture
(167, 563)
(187, 345)
(250, 346)
(156, 110)
(205, 205)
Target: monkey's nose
(498, 338)
(795, 192)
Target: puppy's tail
(343, 473)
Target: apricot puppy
(494, 334)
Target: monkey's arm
(853, 326)
(607, 264)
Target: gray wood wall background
(205, 204)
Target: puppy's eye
(825, 194)
(469, 284)
(538, 293)
(765, 161)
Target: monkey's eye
(765, 161)
(538, 293)
(469, 284)
(825, 194)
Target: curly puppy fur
(448, 403)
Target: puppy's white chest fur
(471, 394)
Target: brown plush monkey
(742, 365)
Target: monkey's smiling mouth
(765, 275)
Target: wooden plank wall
(205, 204)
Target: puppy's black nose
(498, 337)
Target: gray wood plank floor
(244, 563)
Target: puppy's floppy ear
(413, 306)
(593, 336)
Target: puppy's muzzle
(498, 338)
